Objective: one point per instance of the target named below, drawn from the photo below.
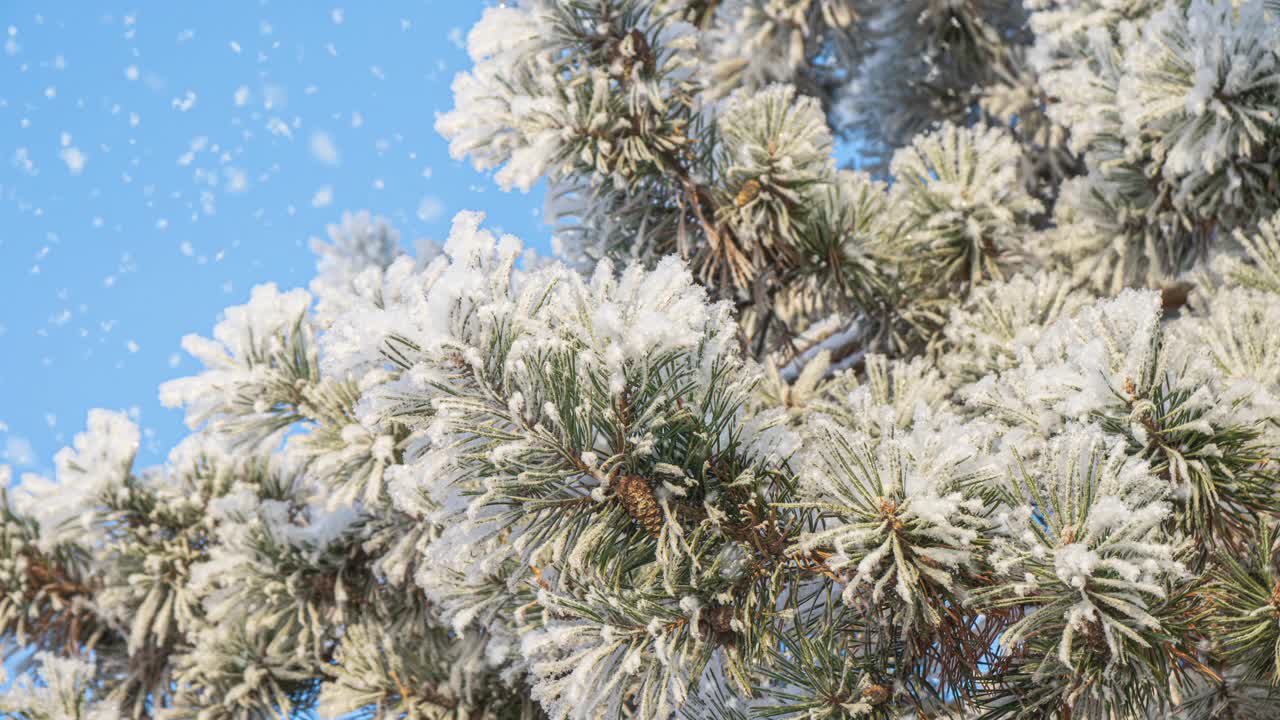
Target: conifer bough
(988, 430)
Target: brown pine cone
(722, 618)
(637, 499)
(875, 694)
(750, 191)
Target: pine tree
(989, 428)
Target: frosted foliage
(1094, 236)
(1082, 364)
(511, 48)
(613, 327)
(898, 516)
(250, 331)
(375, 668)
(1170, 107)
(466, 574)
(59, 691)
(1260, 267)
(898, 359)
(1001, 321)
(1238, 330)
(615, 332)
(1235, 331)
(893, 395)
(777, 147)
(1084, 528)
(252, 362)
(384, 303)
(1087, 89)
(1015, 100)
(756, 42)
(1058, 22)
(359, 250)
(615, 324)
(645, 314)
(357, 242)
(579, 667)
(921, 71)
(624, 317)
(968, 167)
(263, 372)
(87, 475)
(959, 190)
(514, 110)
(1205, 80)
(772, 127)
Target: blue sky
(158, 159)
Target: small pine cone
(716, 622)
(637, 499)
(888, 508)
(324, 587)
(875, 694)
(722, 618)
(1068, 535)
(1175, 295)
(750, 190)
(889, 511)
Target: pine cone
(716, 623)
(324, 587)
(750, 190)
(637, 499)
(722, 618)
(1175, 295)
(875, 694)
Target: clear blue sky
(160, 158)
